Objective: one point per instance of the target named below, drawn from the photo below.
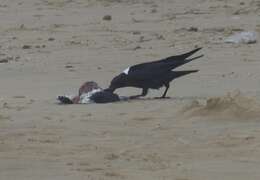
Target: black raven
(153, 75)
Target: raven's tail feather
(188, 54)
(197, 57)
(189, 60)
(177, 74)
(180, 57)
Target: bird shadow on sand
(166, 99)
(125, 99)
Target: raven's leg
(144, 92)
(167, 87)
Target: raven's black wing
(152, 69)
(180, 57)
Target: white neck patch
(126, 70)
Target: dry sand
(50, 47)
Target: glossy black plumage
(154, 74)
(104, 97)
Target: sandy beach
(208, 130)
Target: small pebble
(27, 46)
(74, 42)
(154, 10)
(137, 47)
(22, 26)
(17, 58)
(4, 60)
(69, 66)
(193, 29)
(136, 32)
(159, 37)
(141, 39)
(107, 18)
(51, 39)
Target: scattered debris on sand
(246, 37)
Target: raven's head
(118, 82)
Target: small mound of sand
(233, 104)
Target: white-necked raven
(153, 75)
